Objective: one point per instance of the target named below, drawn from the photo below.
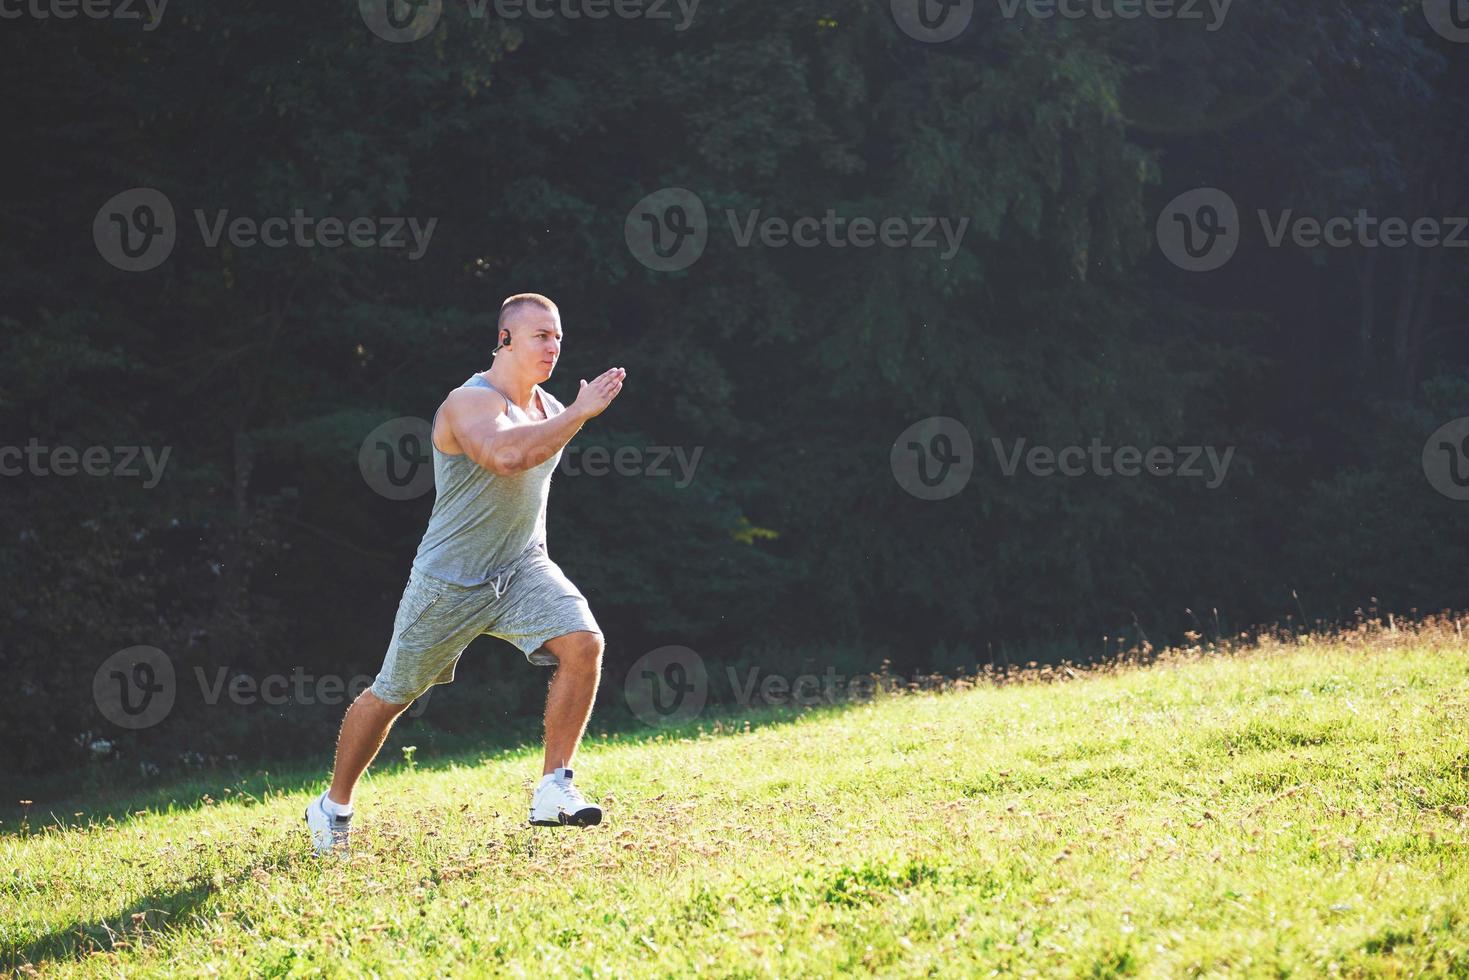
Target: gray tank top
(482, 524)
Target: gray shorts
(438, 619)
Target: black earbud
(506, 341)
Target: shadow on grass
(254, 785)
(81, 939)
(132, 924)
(171, 908)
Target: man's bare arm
(494, 441)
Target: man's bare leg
(569, 699)
(363, 732)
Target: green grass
(1296, 809)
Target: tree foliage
(792, 369)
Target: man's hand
(592, 399)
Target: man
(482, 567)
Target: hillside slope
(1297, 808)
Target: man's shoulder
(473, 391)
(473, 399)
(462, 407)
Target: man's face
(535, 341)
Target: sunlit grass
(1300, 807)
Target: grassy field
(1299, 808)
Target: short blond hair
(513, 303)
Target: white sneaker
(557, 802)
(329, 834)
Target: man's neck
(518, 389)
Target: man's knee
(582, 650)
(369, 701)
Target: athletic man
(482, 567)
